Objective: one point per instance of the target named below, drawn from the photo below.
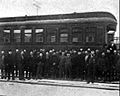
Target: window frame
(20, 35)
(64, 31)
(4, 37)
(50, 33)
(31, 33)
(90, 34)
(64, 37)
(77, 31)
(78, 36)
(40, 33)
(90, 30)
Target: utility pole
(36, 4)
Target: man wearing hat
(2, 65)
(17, 61)
(10, 65)
(68, 66)
(90, 66)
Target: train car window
(6, 36)
(28, 35)
(90, 37)
(51, 38)
(17, 35)
(64, 37)
(39, 35)
(77, 38)
(51, 35)
(39, 38)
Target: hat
(79, 53)
(92, 52)
(115, 51)
(2, 52)
(96, 50)
(103, 53)
(41, 54)
(31, 53)
(108, 51)
(47, 52)
(50, 51)
(68, 54)
(88, 49)
(81, 49)
(74, 51)
(17, 50)
(10, 52)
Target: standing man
(21, 66)
(62, 65)
(54, 62)
(68, 66)
(90, 64)
(75, 64)
(18, 63)
(2, 65)
(47, 65)
(10, 65)
(111, 47)
(26, 63)
(40, 66)
(31, 64)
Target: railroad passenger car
(62, 31)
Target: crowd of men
(90, 65)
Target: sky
(12, 8)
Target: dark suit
(90, 69)
(2, 65)
(10, 66)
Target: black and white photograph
(59, 48)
